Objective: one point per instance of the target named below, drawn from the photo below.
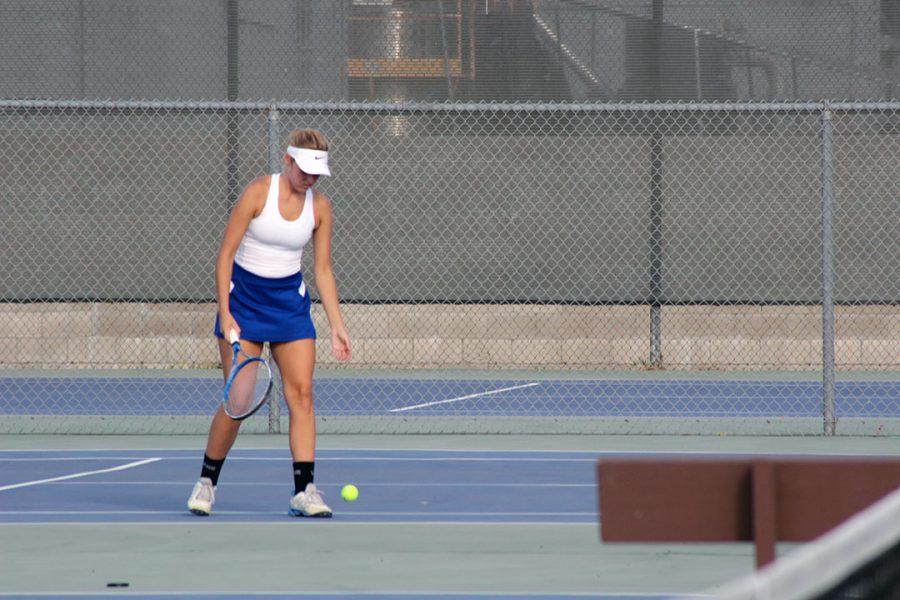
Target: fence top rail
(412, 107)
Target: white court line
(507, 389)
(281, 514)
(83, 474)
(337, 483)
(348, 458)
(351, 594)
(203, 522)
(61, 458)
(597, 453)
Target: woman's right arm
(248, 206)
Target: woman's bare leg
(224, 429)
(297, 360)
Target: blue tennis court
(471, 397)
(445, 499)
(492, 487)
(455, 521)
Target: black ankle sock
(303, 474)
(211, 468)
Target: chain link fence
(630, 268)
(523, 242)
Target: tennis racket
(249, 384)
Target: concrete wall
(173, 336)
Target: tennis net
(859, 559)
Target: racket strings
(248, 389)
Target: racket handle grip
(233, 337)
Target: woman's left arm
(325, 283)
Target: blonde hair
(308, 138)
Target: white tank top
(273, 246)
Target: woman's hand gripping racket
(249, 383)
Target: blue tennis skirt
(267, 309)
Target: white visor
(313, 162)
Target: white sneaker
(309, 503)
(202, 498)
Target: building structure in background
(455, 50)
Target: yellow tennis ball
(349, 492)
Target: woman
(262, 297)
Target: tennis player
(262, 296)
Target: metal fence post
(446, 52)
(698, 78)
(274, 145)
(656, 225)
(827, 208)
(232, 90)
(656, 209)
